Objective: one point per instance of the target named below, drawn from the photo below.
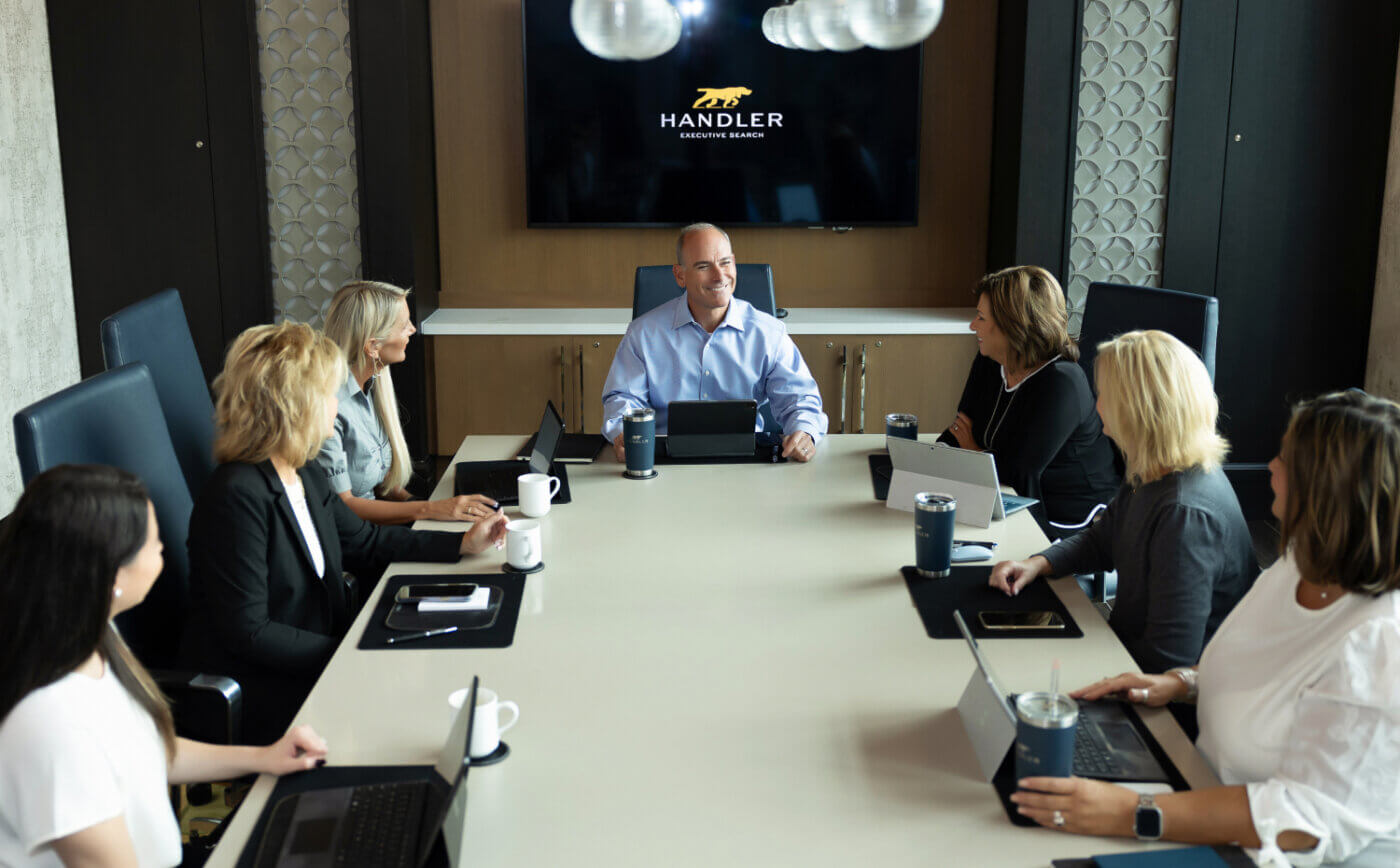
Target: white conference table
(719, 666)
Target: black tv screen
(726, 127)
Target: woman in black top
(1028, 402)
(269, 539)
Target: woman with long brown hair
(87, 746)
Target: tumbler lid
(640, 414)
(901, 420)
(933, 501)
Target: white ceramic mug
(536, 491)
(523, 549)
(487, 727)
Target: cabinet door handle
(581, 391)
(861, 429)
(845, 369)
(563, 389)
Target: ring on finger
(1058, 819)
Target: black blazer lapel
(289, 517)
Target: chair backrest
(1111, 309)
(155, 331)
(115, 418)
(656, 284)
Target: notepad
(476, 602)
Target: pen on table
(973, 542)
(394, 640)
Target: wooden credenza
(493, 368)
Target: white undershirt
(1303, 706)
(1027, 376)
(74, 754)
(296, 494)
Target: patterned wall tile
(309, 141)
(1126, 96)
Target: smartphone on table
(1029, 620)
(456, 592)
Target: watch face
(1147, 823)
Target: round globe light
(668, 32)
(831, 25)
(798, 30)
(779, 27)
(892, 24)
(623, 29)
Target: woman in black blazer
(268, 538)
(1028, 402)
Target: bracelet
(1188, 675)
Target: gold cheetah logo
(720, 97)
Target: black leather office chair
(1111, 309)
(155, 331)
(656, 284)
(115, 418)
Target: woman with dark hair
(1028, 402)
(87, 746)
(1298, 694)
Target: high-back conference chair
(156, 332)
(115, 418)
(1111, 309)
(656, 284)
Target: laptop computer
(497, 479)
(393, 824)
(710, 429)
(1109, 744)
(968, 475)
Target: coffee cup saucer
(501, 752)
(507, 568)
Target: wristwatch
(1147, 820)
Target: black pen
(394, 640)
(973, 542)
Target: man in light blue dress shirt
(707, 345)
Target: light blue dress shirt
(357, 455)
(667, 356)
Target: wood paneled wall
(490, 259)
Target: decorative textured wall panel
(309, 137)
(39, 341)
(1126, 96)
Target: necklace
(992, 432)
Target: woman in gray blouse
(1174, 532)
(366, 457)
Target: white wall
(1383, 362)
(38, 334)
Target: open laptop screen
(547, 440)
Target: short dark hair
(1341, 519)
(1028, 305)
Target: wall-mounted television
(726, 127)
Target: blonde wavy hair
(361, 312)
(1341, 518)
(271, 397)
(1158, 404)
(1028, 305)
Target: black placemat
(499, 635)
(881, 468)
(966, 590)
(763, 453)
(463, 483)
(325, 778)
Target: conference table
(718, 666)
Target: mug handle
(531, 555)
(554, 486)
(514, 716)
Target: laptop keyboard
(381, 826)
(1092, 756)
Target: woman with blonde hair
(1028, 402)
(87, 745)
(366, 457)
(269, 539)
(1174, 532)
(1299, 692)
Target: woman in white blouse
(1299, 692)
(87, 747)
